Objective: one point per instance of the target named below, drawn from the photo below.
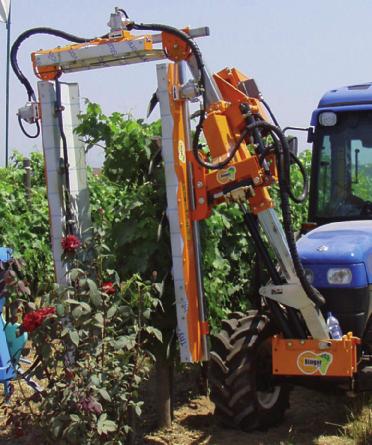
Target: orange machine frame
(318, 358)
(243, 179)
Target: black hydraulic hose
(252, 228)
(305, 181)
(124, 12)
(295, 328)
(283, 162)
(272, 115)
(295, 128)
(31, 136)
(305, 188)
(200, 64)
(25, 35)
(282, 152)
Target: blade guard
(319, 358)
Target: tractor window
(324, 174)
(361, 170)
(343, 163)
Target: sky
(296, 51)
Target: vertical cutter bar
(179, 216)
(195, 224)
(53, 155)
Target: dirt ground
(313, 419)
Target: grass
(359, 426)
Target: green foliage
(130, 211)
(128, 200)
(227, 258)
(299, 211)
(107, 338)
(25, 222)
(129, 145)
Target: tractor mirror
(293, 144)
(310, 135)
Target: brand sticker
(226, 175)
(309, 363)
(181, 152)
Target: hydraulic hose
(283, 159)
(31, 96)
(272, 115)
(305, 181)
(31, 136)
(283, 162)
(200, 64)
(305, 187)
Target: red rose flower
(70, 243)
(108, 288)
(32, 320)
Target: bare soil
(314, 418)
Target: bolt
(199, 184)
(256, 180)
(175, 46)
(201, 200)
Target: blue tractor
(337, 253)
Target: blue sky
(295, 50)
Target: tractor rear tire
(242, 386)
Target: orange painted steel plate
(195, 327)
(324, 358)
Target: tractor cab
(337, 255)
(341, 176)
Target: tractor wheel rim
(267, 399)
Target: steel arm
(246, 180)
